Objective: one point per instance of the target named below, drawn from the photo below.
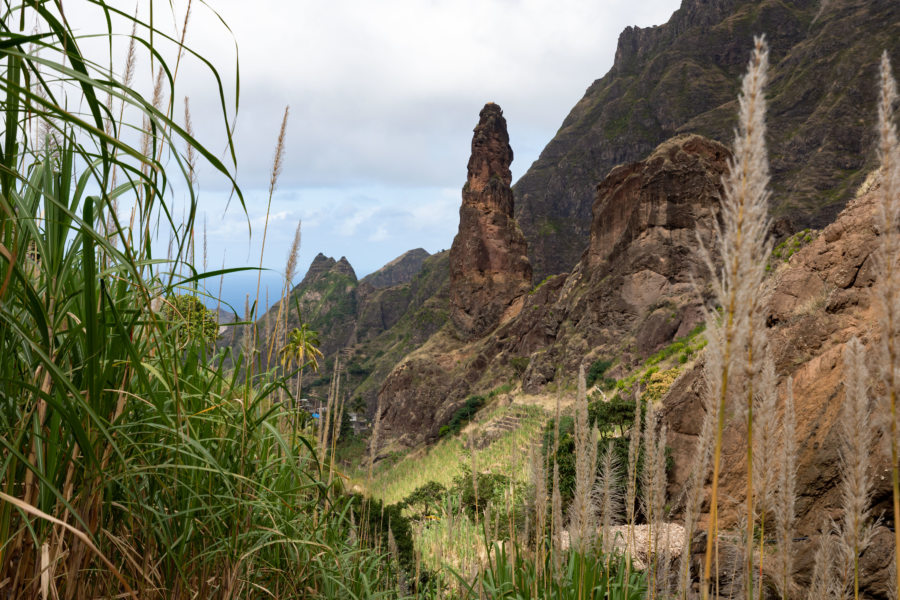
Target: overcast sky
(383, 96)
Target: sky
(383, 98)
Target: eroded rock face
(817, 302)
(489, 268)
(631, 294)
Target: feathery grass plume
(694, 490)
(539, 503)
(556, 516)
(581, 510)
(373, 442)
(609, 495)
(190, 154)
(736, 338)
(290, 271)
(887, 274)
(823, 585)
(281, 320)
(246, 333)
(765, 450)
(856, 482)
(326, 418)
(634, 448)
(892, 579)
(127, 79)
(277, 163)
(473, 468)
(787, 495)
(653, 483)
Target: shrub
(596, 374)
(462, 416)
(520, 364)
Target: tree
(301, 349)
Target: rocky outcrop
(489, 268)
(682, 77)
(634, 290)
(817, 302)
(631, 294)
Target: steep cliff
(683, 76)
(631, 294)
(816, 303)
(398, 271)
(489, 269)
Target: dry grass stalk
(694, 491)
(736, 342)
(190, 154)
(787, 494)
(556, 512)
(634, 443)
(473, 468)
(539, 503)
(581, 511)
(284, 309)
(373, 443)
(856, 482)
(823, 585)
(765, 451)
(277, 163)
(556, 518)
(887, 269)
(610, 497)
(653, 482)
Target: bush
(596, 374)
(462, 416)
(520, 364)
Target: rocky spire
(489, 268)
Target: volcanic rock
(682, 77)
(816, 303)
(489, 268)
(631, 294)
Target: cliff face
(631, 294)
(817, 302)
(683, 77)
(489, 269)
(400, 270)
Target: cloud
(383, 96)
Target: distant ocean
(236, 286)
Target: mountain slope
(682, 77)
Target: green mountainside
(682, 77)
(376, 320)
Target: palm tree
(301, 348)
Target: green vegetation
(520, 364)
(190, 321)
(134, 464)
(462, 415)
(596, 374)
(783, 252)
(584, 576)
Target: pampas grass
(582, 510)
(887, 270)
(787, 494)
(856, 481)
(737, 336)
